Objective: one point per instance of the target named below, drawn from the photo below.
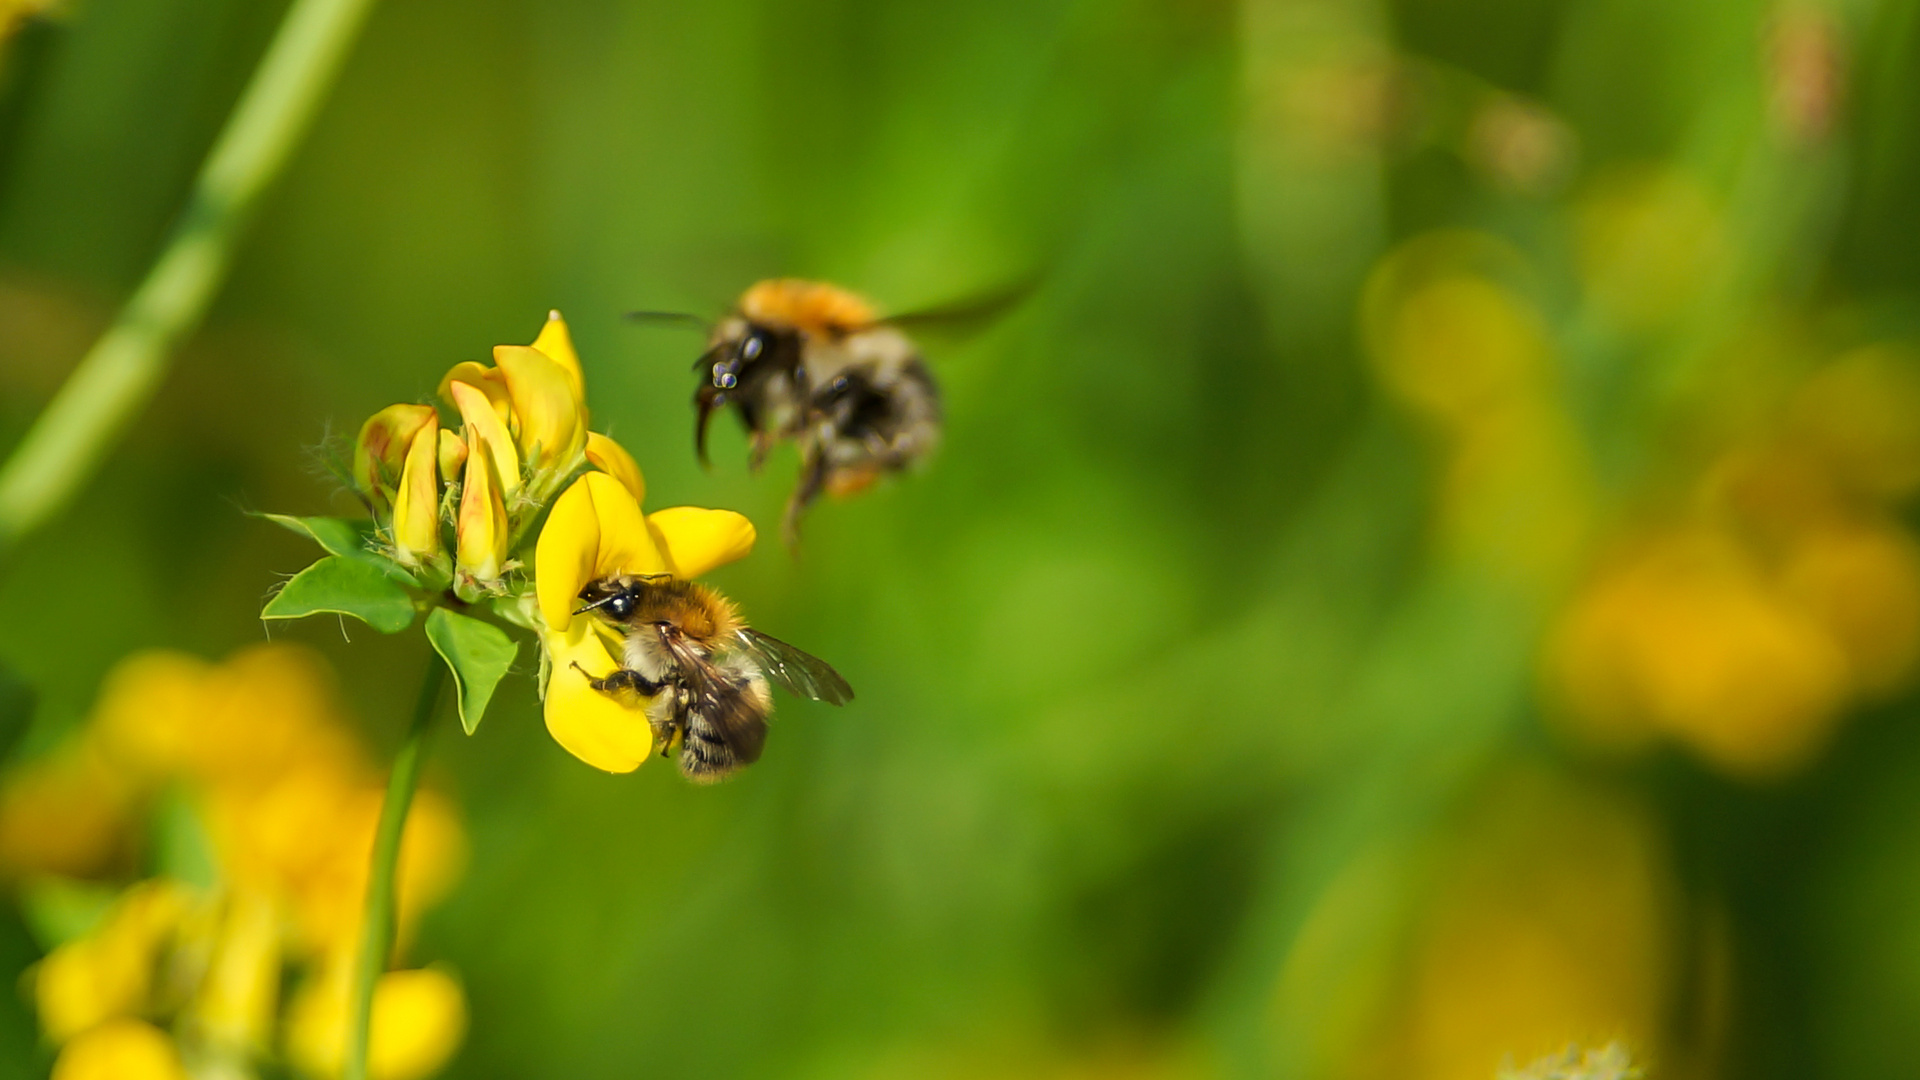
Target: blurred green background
(1369, 616)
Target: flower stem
(120, 374)
(377, 922)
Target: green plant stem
(121, 372)
(377, 921)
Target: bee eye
(620, 606)
(723, 375)
(750, 349)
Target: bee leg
(813, 475)
(663, 733)
(621, 679)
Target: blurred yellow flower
(1544, 915)
(1454, 340)
(596, 530)
(419, 1020)
(125, 1049)
(1745, 623)
(109, 973)
(1649, 240)
(1684, 636)
(289, 805)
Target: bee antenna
(600, 603)
(668, 317)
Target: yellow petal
(382, 448)
(453, 453)
(604, 730)
(482, 378)
(481, 543)
(125, 1049)
(695, 540)
(548, 415)
(485, 430)
(564, 556)
(612, 458)
(594, 530)
(416, 507)
(557, 343)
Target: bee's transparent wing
(793, 670)
(717, 699)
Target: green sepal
(477, 652)
(344, 586)
(338, 536)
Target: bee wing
(792, 669)
(968, 315)
(718, 699)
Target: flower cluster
(1745, 620)
(455, 511)
(264, 808)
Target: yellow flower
(596, 530)
(529, 409)
(416, 507)
(233, 1008)
(381, 450)
(1543, 914)
(126, 1049)
(1684, 636)
(483, 530)
(109, 973)
(419, 1018)
(66, 814)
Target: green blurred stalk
(377, 921)
(120, 374)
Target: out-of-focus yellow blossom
(1454, 341)
(65, 815)
(419, 1019)
(1683, 636)
(1544, 916)
(1648, 240)
(1856, 415)
(289, 804)
(596, 530)
(1746, 622)
(124, 1049)
(109, 973)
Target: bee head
(612, 596)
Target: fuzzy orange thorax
(812, 307)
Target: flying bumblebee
(704, 671)
(811, 363)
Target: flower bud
(483, 530)
(381, 451)
(416, 506)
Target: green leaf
(339, 536)
(478, 653)
(344, 586)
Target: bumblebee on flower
(453, 509)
